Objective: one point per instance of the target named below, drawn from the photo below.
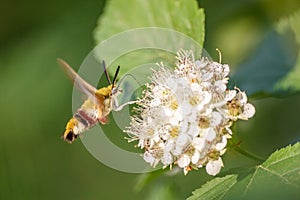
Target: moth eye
(114, 91)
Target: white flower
(182, 140)
(149, 158)
(167, 158)
(210, 134)
(195, 157)
(213, 167)
(186, 114)
(222, 144)
(216, 118)
(199, 143)
(183, 161)
(248, 111)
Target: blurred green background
(36, 97)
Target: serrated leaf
(214, 189)
(284, 163)
(181, 16)
(278, 177)
(271, 69)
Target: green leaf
(214, 189)
(277, 178)
(142, 44)
(292, 80)
(181, 15)
(272, 60)
(273, 68)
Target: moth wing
(83, 86)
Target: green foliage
(273, 59)
(180, 15)
(36, 104)
(278, 177)
(292, 80)
(36, 97)
(119, 16)
(215, 189)
(274, 67)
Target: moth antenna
(115, 77)
(105, 72)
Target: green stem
(248, 154)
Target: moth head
(69, 136)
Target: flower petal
(183, 161)
(213, 167)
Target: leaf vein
(276, 174)
(280, 160)
(291, 171)
(227, 190)
(251, 180)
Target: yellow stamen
(214, 155)
(174, 104)
(194, 100)
(234, 108)
(203, 122)
(174, 131)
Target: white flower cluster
(185, 115)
